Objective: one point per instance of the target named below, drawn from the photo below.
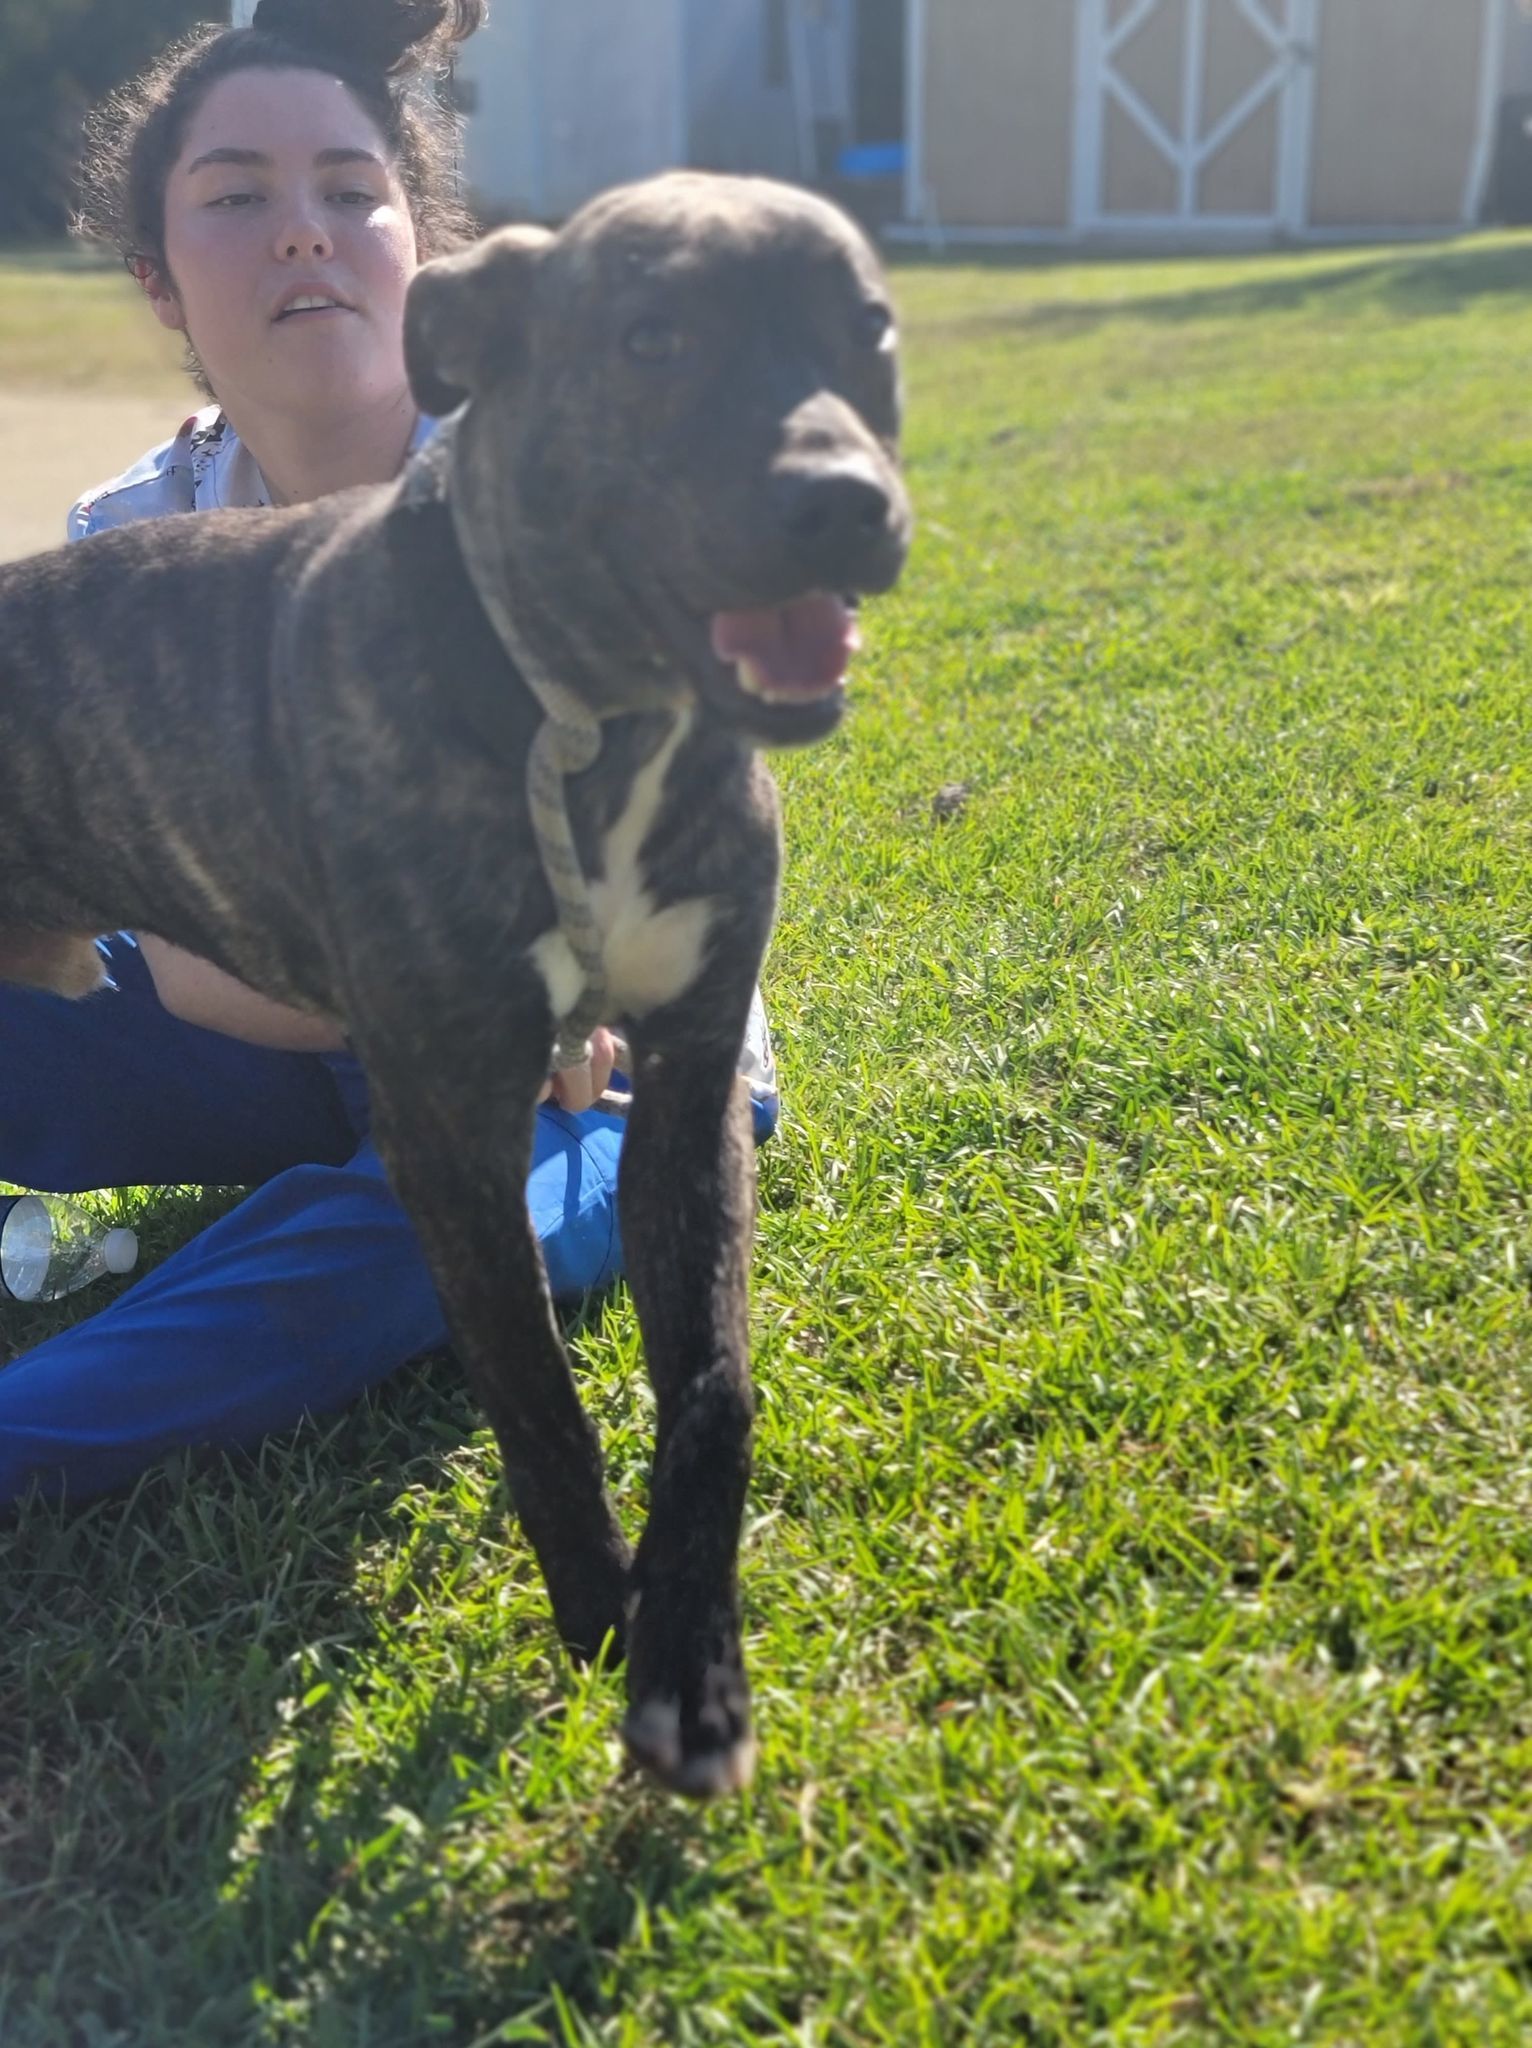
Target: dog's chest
(652, 952)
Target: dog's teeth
(754, 684)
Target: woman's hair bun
(384, 35)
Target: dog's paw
(701, 1747)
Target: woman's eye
(654, 341)
(233, 199)
(357, 198)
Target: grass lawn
(1137, 1575)
(70, 319)
(87, 383)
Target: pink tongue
(800, 649)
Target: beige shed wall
(1396, 108)
(998, 112)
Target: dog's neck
(563, 708)
(519, 553)
(566, 743)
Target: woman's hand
(577, 1088)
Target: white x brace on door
(1193, 113)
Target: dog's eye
(654, 341)
(875, 325)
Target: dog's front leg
(687, 1202)
(458, 1159)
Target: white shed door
(1193, 113)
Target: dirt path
(56, 444)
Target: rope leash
(567, 742)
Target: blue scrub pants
(309, 1291)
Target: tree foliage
(56, 58)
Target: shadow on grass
(184, 1796)
(1409, 286)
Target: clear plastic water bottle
(49, 1247)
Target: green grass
(1138, 1560)
(68, 317)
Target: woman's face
(284, 191)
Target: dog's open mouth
(776, 671)
(789, 654)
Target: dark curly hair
(393, 55)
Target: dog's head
(683, 422)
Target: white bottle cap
(120, 1250)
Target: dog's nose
(839, 508)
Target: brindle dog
(293, 743)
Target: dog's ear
(468, 311)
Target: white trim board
(1491, 69)
(916, 199)
(1285, 76)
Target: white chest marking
(652, 956)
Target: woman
(273, 190)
